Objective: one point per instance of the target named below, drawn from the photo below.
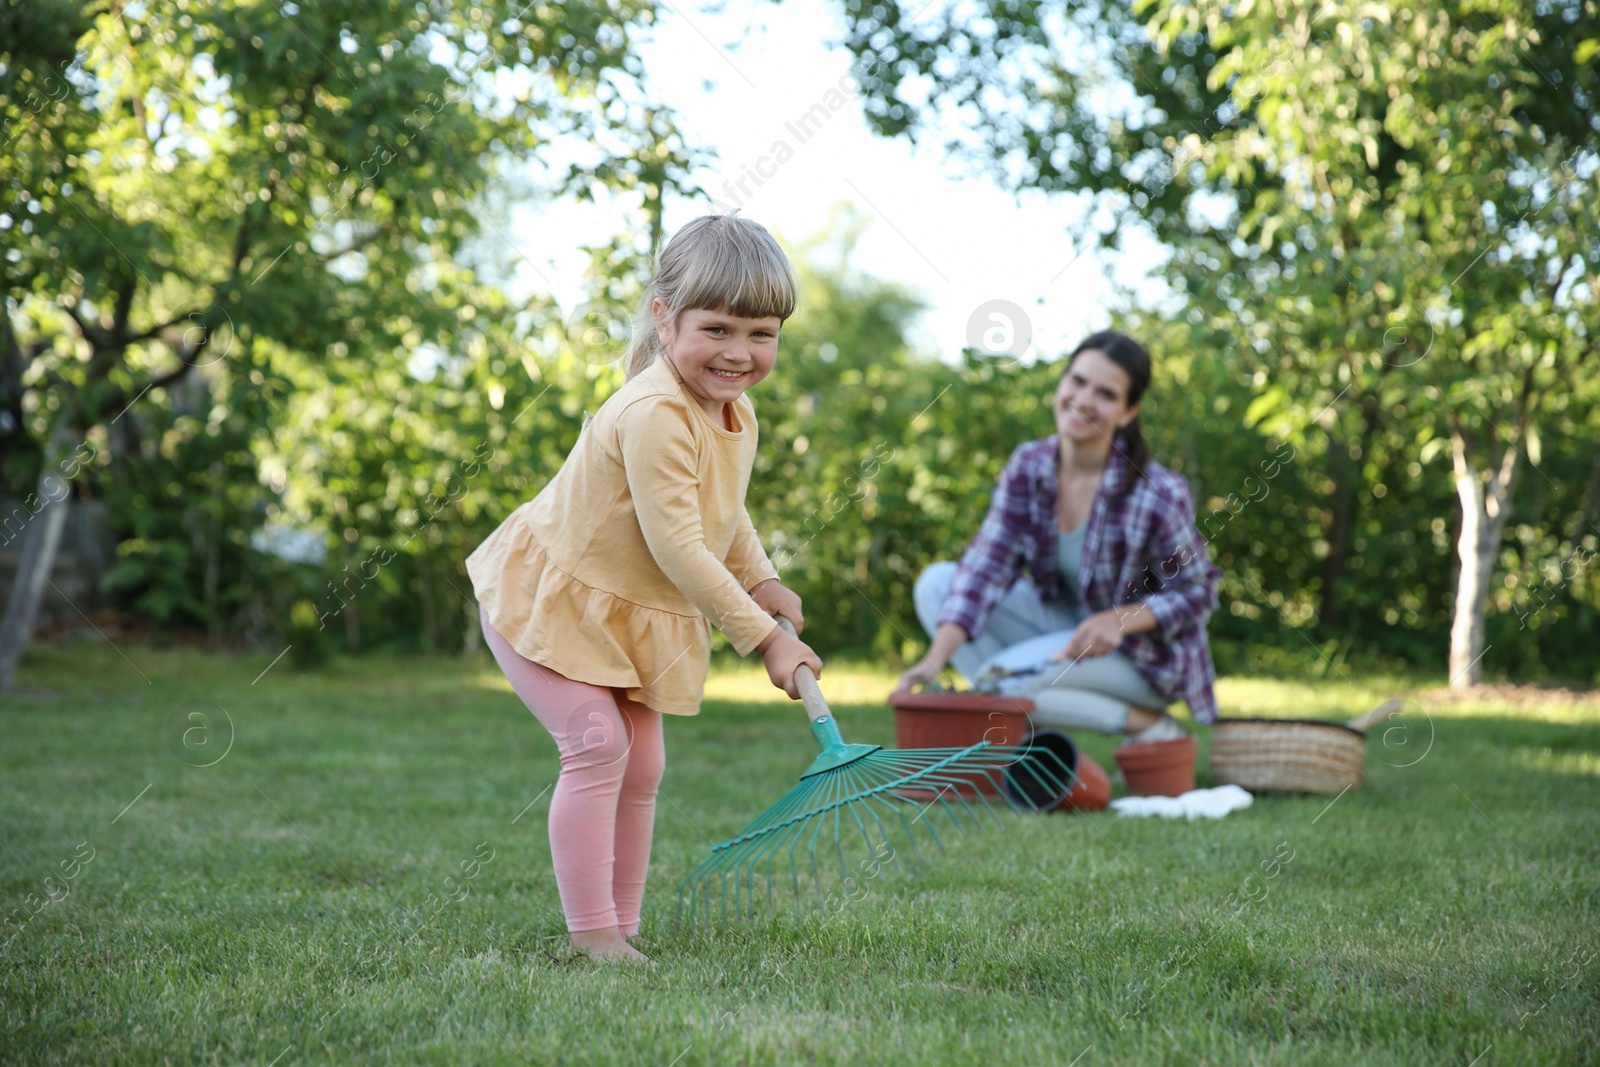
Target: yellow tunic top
(614, 573)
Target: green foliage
(310, 645)
(222, 216)
(247, 259)
(1383, 213)
(181, 486)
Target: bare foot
(609, 946)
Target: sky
(995, 269)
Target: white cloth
(1195, 804)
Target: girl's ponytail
(645, 345)
(718, 263)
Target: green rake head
(861, 797)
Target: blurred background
(302, 301)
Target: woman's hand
(946, 639)
(924, 670)
(776, 599)
(783, 656)
(1098, 635)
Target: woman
(1111, 628)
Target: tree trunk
(1485, 507)
(1591, 500)
(39, 545)
(1344, 469)
(1345, 461)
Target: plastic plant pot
(958, 720)
(1158, 768)
(1090, 788)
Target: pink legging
(604, 805)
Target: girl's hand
(784, 655)
(1098, 635)
(775, 599)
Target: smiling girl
(597, 596)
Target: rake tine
(954, 786)
(1024, 769)
(787, 841)
(963, 785)
(838, 846)
(794, 868)
(745, 890)
(717, 867)
(1065, 781)
(811, 851)
(749, 867)
(734, 872)
(1054, 782)
(764, 856)
(933, 831)
(885, 831)
(984, 807)
(966, 804)
(856, 812)
(911, 834)
(1023, 795)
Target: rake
(860, 795)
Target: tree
(245, 192)
(1389, 208)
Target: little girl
(595, 596)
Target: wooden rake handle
(805, 680)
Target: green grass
(251, 911)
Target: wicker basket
(1291, 755)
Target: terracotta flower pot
(1158, 768)
(1054, 754)
(958, 720)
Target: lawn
(351, 866)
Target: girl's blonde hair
(716, 263)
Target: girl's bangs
(741, 277)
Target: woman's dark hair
(1130, 355)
